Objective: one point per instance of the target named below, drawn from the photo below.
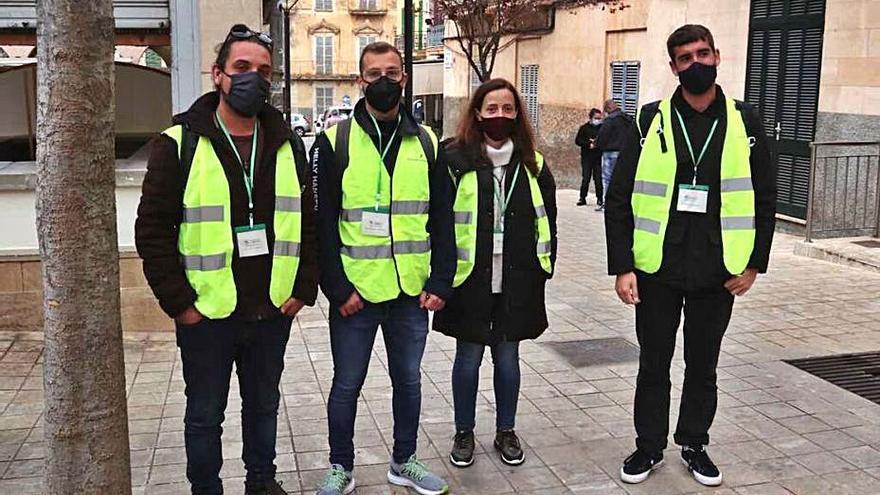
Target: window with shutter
(323, 5)
(625, 85)
(475, 81)
(528, 88)
(782, 80)
(324, 54)
(362, 43)
(323, 99)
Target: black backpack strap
(188, 143)
(428, 147)
(343, 135)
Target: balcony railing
(309, 69)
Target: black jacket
(614, 131)
(587, 132)
(328, 187)
(474, 314)
(692, 250)
(160, 214)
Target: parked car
(331, 117)
(300, 124)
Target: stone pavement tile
(598, 487)
(778, 410)
(22, 486)
(139, 476)
(24, 469)
(804, 424)
(177, 488)
(861, 457)
(754, 450)
(759, 489)
(528, 479)
(833, 440)
(852, 483)
(795, 446)
(824, 463)
(168, 473)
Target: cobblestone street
(778, 430)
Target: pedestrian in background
(591, 158)
(505, 231)
(611, 139)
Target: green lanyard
(382, 156)
(687, 140)
(248, 181)
(502, 202)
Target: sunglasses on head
(242, 32)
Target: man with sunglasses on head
(226, 230)
(387, 257)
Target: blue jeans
(405, 330)
(609, 160)
(466, 379)
(208, 350)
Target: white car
(331, 117)
(300, 124)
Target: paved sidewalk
(778, 429)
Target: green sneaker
(337, 482)
(414, 474)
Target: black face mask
(247, 94)
(698, 78)
(497, 128)
(383, 94)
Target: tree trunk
(85, 418)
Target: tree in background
(482, 25)
(85, 418)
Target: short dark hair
(594, 111)
(223, 49)
(688, 34)
(378, 47)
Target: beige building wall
(216, 17)
(850, 80)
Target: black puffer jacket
(473, 313)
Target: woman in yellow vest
(505, 230)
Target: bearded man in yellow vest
(387, 237)
(689, 221)
(226, 230)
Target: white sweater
(500, 159)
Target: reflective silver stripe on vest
(544, 247)
(463, 254)
(463, 217)
(204, 263)
(650, 188)
(412, 247)
(287, 203)
(203, 214)
(409, 207)
(647, 225)
(737, 223)
(351, 215)
(286, 248)
(734, 185)
(367, 252)
(540, 211)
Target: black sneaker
(698, 463)
(638, 466)
(462, 454)
(271, 488)
(581, 202)
(507, 443)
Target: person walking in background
(689, 224)
(505, 231)
(591, 158)
(611, 139)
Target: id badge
(498, 242)
(376, 223)
(693, 199)
(251, 241)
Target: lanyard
(687, 140)
(502, 202)
(382, 156)
(248, 181)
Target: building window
(323, 5)
(475, 81)
(528, 87)
(323, 99)
(324, 54)
(362, 43)
(366, 4)
(625, 85)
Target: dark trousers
(466, 381)
(405, 330)
(208, 350)
(591, 166)
(706, 316)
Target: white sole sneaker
(401, 481)
(461, 464)
(702, 479)
(349, 488)
(638, 478)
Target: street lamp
(286, 6)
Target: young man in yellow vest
(226, 230)
(387, 238)
(689, 221)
